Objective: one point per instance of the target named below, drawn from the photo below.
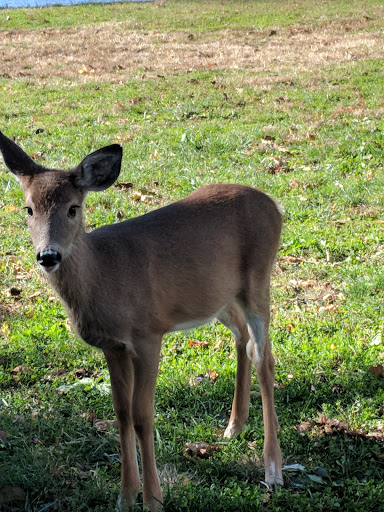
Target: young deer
(125, 285)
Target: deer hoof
(232, 430)
(274, 478)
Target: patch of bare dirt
(112, 52)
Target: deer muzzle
(49, 259)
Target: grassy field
(284, 96)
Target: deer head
(54, 199)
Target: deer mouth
(49, 260)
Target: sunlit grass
(315, 143)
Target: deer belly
(191, 324)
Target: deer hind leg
(146, 369)
(233, 318)
(260, 352)
(121, 373)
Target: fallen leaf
(292, 259)
(58, 372)
(3, 436)
(80, 373)
(200, 450)
(333, 424)
(267, 139)
(283, 149)
(198, 343)
(140, 196)
(38, 155)
(34, 295)
(124, 186)
(212, 375)
(338, 388)
(294, 183)
(209, 376)
(330, 308)
(84, 70)
(377, 370)
(219, 345)
(136, 195)
(18, 370)
(303, 426)
(329, 297)
(105, 425)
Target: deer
(125, 285)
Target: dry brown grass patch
(111, 52)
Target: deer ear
(16, 160)
(100, 169)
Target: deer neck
(74, 278)
(85, 294)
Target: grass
(310, 133)
(192, 16)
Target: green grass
(193, 16)
(315, 143)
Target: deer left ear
(99, 170)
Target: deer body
(125, 285)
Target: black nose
(48, 258)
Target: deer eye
(72, 211)
(29, 211)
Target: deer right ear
(100, 169)
(16, 160)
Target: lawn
(284, 96)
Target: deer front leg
(146, 368)
(122, 374)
